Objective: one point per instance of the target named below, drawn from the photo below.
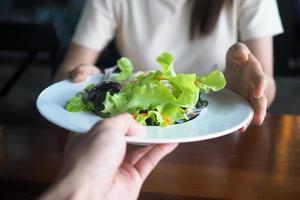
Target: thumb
(238, 53)
(123, 123)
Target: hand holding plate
(245, 76)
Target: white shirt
(146, 28)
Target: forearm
(75, 56)
(74, 187)
(64, 189)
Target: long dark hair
(204, 16)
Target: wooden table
(263, 163)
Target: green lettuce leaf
(77, 104)
(214, 81)
(166, 61)
(171, 113)
(152, 118)
(89, 87)
(125, 67)
(185, 89)
(135, 98)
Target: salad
(155, 98)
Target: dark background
(287, 45)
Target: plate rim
(140, 140)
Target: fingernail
(257, 95)
(240, 55)
(259, 121)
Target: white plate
(226, 112)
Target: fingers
(81, 72)
(150, 159)
(257, 95)
(260, 108)
(260, 85)
(257, 76)
(244, 128)
(137, 154)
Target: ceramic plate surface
(226, 112)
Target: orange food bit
(197, 83)
(167, 120)
(144, 114)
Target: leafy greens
(154, 98)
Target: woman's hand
(245, 76)
(81, 72)
(98, 168)
(78, 63)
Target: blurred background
(35, 33)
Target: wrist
(75, 187)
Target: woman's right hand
(77, 64)
(81, 72)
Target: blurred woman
(198, 33)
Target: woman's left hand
(245, 76)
